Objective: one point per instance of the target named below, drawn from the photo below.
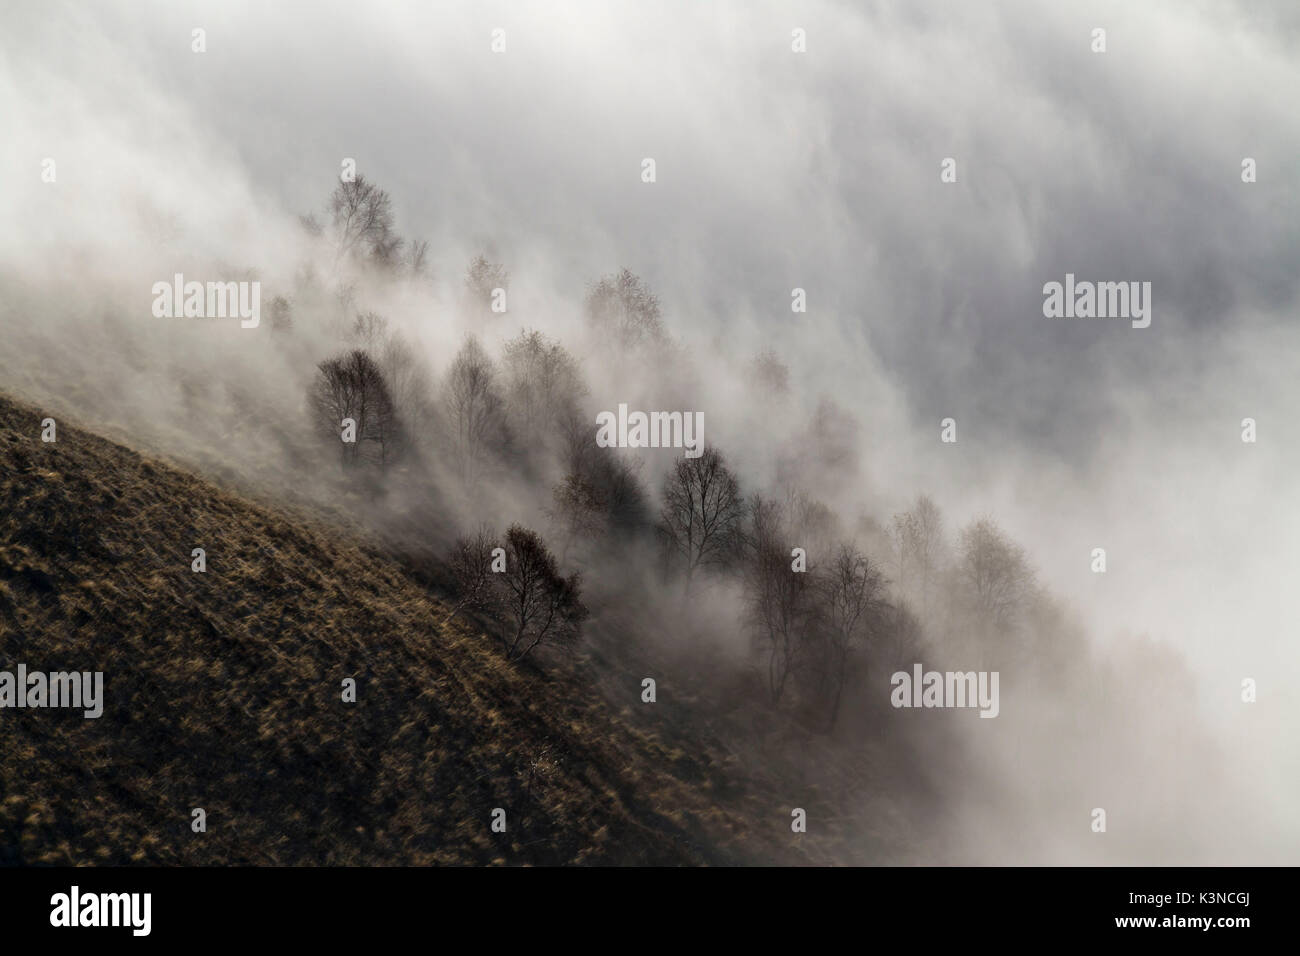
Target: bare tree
(470, 563)
(578, 442)
(369, 331)
(481, 280)
(995, 578)
(474, 408)
(809, 523)
(543, 382)
(410, 383)
(782, 605)
(618, 484)
(362, 218)
(917, 539)
(901, 637)
(417, 258)
(623, 310)
(352, 387)
(345, 300)
(613, 478)
(853, 591)
(579, 509)
(898, 646)
(541, 605)
(407, 377)
(700, 521)
(386, 253)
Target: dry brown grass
(223, 691)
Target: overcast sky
(775, 169)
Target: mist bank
(923, 304)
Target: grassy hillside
(223, 691)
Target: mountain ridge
(223, 691)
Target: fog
(774, 171)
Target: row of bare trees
(360, 226)
(978, 592)
(816, 602)
(811, 616)
(386, 388)
(382, 386)
(807, 617)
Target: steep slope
(223, 690)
